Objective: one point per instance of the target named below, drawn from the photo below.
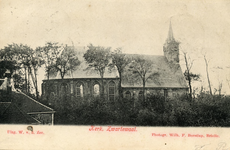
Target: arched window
(96, 90)
(63, 91)
(165, 93)
(128, 95)
(51, 98)
(79, 90)
(63, 88)
(111, 91)
(140, 95)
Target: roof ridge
(143, 54)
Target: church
(84, 84)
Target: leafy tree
(120, 61)
(144, 69)
(67, 61)
(11, 59)
(48, 55)
(22, 57)
(98, 58)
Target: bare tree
(144, 69)
(209, 83)
(120, 61)
(189, 76)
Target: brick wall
(78, 88)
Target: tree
(35, 63)
(31, 62)
(144, 69)
(98, 58)
(48, 53)
(11, 57)
(67, 61)
(209, 84)
(219, 71)
(189, 76)
(21, 57)
(120, 61)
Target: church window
(63, 90)
(55, 89)
(128, 95)
(79, 90)
(140, 95)
(111, 91)
(71, 88)
(165, 93)
(96, 90)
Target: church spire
(170, 34)
(171, 47)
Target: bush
(156, 110)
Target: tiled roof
(83, 72)
(170, 75)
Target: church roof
(83, 71)
(169, 75)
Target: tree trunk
(25, 79)
(220, 88)
(34, 80)
(62, 75)
(143, 89)
(28, 75)
(102, 86)
(48, 74)
(209, 84)
(120, 90)
(188, 74)
(190, 86)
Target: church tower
(171, 47)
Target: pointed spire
(170, 34)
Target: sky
(202, 28)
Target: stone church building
(83, 84)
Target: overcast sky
(202, 27)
